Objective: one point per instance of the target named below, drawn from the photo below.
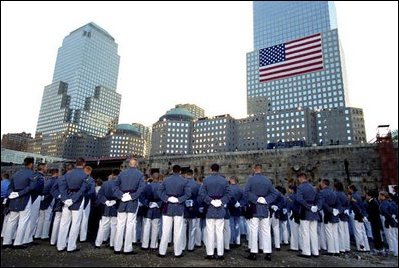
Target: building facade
(297, 63)
(340, 126)
(197, 111)
(251, 133)
(16, 141)
(146, 135)
(214, 134)
(82, 99)
(172, 133)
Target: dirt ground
(45, 255)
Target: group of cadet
(215, 211)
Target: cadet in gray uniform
(260, 193)
(19, 190)
(215, 193)
(173, 191)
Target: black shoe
(315, 256)
(130, 253)
(220, 257)
(304, 256)
(179, 256)
(227, 250)
(62, 250)
(97, 247)
(20, 247)
(268, 257)
(251, 256)
(295, 250)
(75, 250)
(278, 249)
(327, 254)
(198, 246)
(161, 256)
(117, 252)
(145, 249)
(190, 250)
(337, 254)
(209, 257)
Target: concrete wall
(281, 165)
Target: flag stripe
(291, 74)
(294, 45)
(305, 48)
(303, 63)
(292, 58)
(300, 54)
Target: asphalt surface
(45, 255)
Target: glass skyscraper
(282, 29)
(82, 99)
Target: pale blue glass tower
(82, 99)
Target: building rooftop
(178, 114)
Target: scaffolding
(386, 151)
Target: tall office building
(297, 62)
(82, 99)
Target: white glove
(13, 195)
(289, 215)
(126, 197)
(394, 217)
(173, 200)
(237, 204)
(41, 197)
(189, 203)
(313, 208)
(346, 211)
(274, 207)
(110, 203)
(140, 204)
(59, 196)
(4, 201)
(201, 209)
(284, 211)
(365, 219)
(262, 200)
(216, 203)
(68, 202)
(335, 212)
(153, 205)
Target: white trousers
(362, 242)
(284, 231)
(321, 232)
(84, 223)
(3, 230)
(33, 219)
(226, 234)
(69, 218)
(20, 218)
(56, 228)
(194, 233)
(392, 233)
(43, 224)
(294, 238)
(214, 227)
(275, 223)
(343, 236)
(235, 230)
(126, 225)
(106, 226)
(167, 223)
(261, 226)
(247, 221)
(150, 230)
(332, 237)
(308, 230)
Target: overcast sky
(184, 52)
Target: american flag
(292, 58)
